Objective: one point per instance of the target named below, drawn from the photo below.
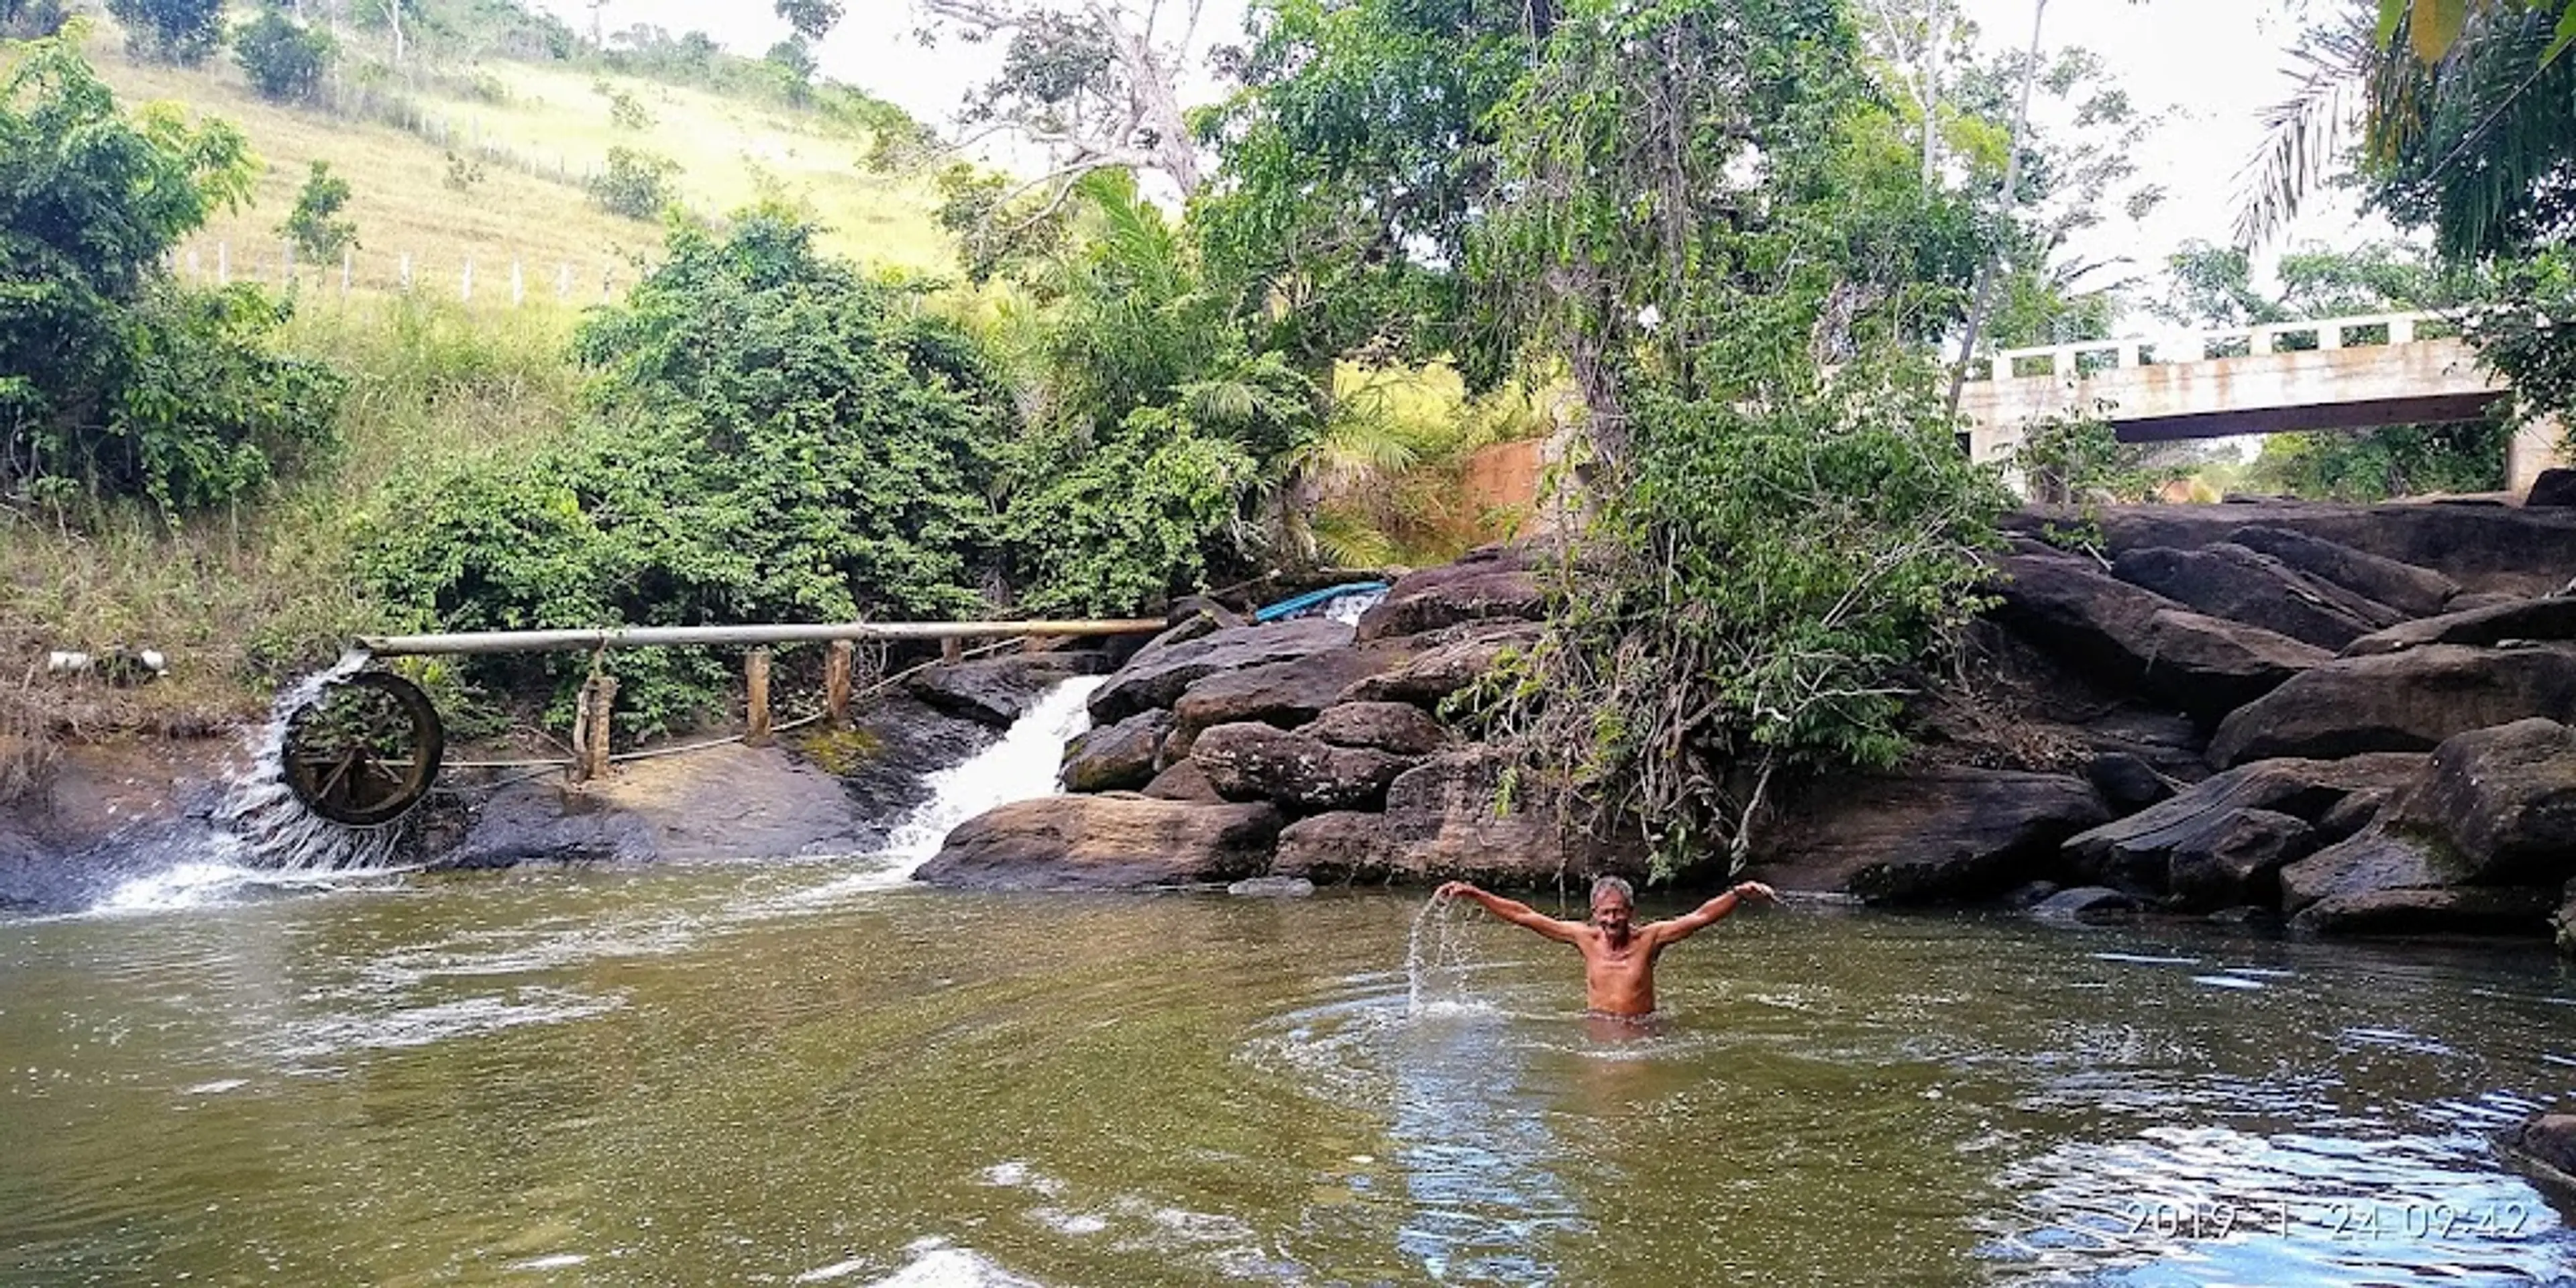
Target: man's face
(1610, 914)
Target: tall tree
(1093, 84)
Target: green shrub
(636, 184)
(173, 31)
(314, 226)
(284, 60)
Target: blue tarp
(1312, 598)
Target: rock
(2086, 903)
(2474, 910)
(2545, 1149)
(1272, 888)
(1440, 823)
(1200, 608)
(1258, 762)
(2407, 701)
(1122, 755)
(998, 691)
(2237, 859)
(1949, 835)
(1286, 694)
(2484, 627)
(2554, 487)
(2351, 814)
(1397, 727)
(1438, 671)
(2377, 860)
(1104, 843)
(881, 760)
(2416, 592)
(2505, 798)
(2129, 638)
(1159, 672)
(2565, 920)
(2240, 585)
(2483, 548)
(1183, 782)
(2030, 894)
(2127, 783)
(1491, 582)
(737, 802)
(2474, 600)
(541, 823)
(2139, 849)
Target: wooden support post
(837, 665)
(579, 770)
(755, 682)
(952, 650)
(603, 702)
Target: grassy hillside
(539, 132)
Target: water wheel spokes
(365, 751)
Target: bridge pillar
(2538, 446)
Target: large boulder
(1439, 670)
(1257, 762)
(2552, 619)
(2565, 920)
(2407, 701)
(1104, 843)
(1440, 822)
(997, 691)
(1118, 756)
(1159, 672)
(2241, 585)
(1491, 582)
(1286, 694)
(1183, 782)
(2545, 1147)
(2139, 850)
(2472, 910)
(2379, 859)
(1936, 836)
(2237, 859)
(538, 823)
(1397, 727)
(2554, 488)
(2416, 592)
(2505, 799)
(2129, 638)
(2482, 547)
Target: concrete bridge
(2333, 373)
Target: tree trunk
(2012, 182)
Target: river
(808, 1072)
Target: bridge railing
(2090, 357)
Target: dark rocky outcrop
(2554, 488)
(2505, 800)
(2240, 585)
(2407, 701)
(2138, 850)
(1183, 782)
(1118, 757)
(1104, 843)
(1257, 762)
(2236, 860)
(2126, 782)
(1286, 694)
(2545, 1148)
(2484, 627)
(2379, 859)
(1155, 677)
(1491, 582)
(2483, 548)
(1947, 834)
(2087, 904)
(541, 823)
(1439, 670)
(2127, 637)
(2416, 592)
(1397, 727)
(1440, 821)
(998, 691)
(2473, 910)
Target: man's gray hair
(1612, 885)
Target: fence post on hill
(755, 683)
(518, 286)
(223, 263)
(468, 295)
(563, 281)
(836, 683)
(406, 272)
(348, 269)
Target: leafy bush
(625, 111)
(314, 226)
(32, 19)
(1117, 526)
(174, 31)
(771, 438)
(118, 380)
(463, 172)
(2377, 464)
(284, 60)
(636, 184)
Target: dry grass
(554, 124)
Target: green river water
(806, 1073)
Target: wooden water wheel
(366, 751)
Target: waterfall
(1022, 765)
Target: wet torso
(1618, 980)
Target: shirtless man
(1618, 959)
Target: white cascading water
(262, 835)
(1022, 765)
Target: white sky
(2215, 63)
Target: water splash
(1437, 960)
(1348, 609)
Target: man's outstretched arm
(1708, 914)
(1519, 914)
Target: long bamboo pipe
(673, 636)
